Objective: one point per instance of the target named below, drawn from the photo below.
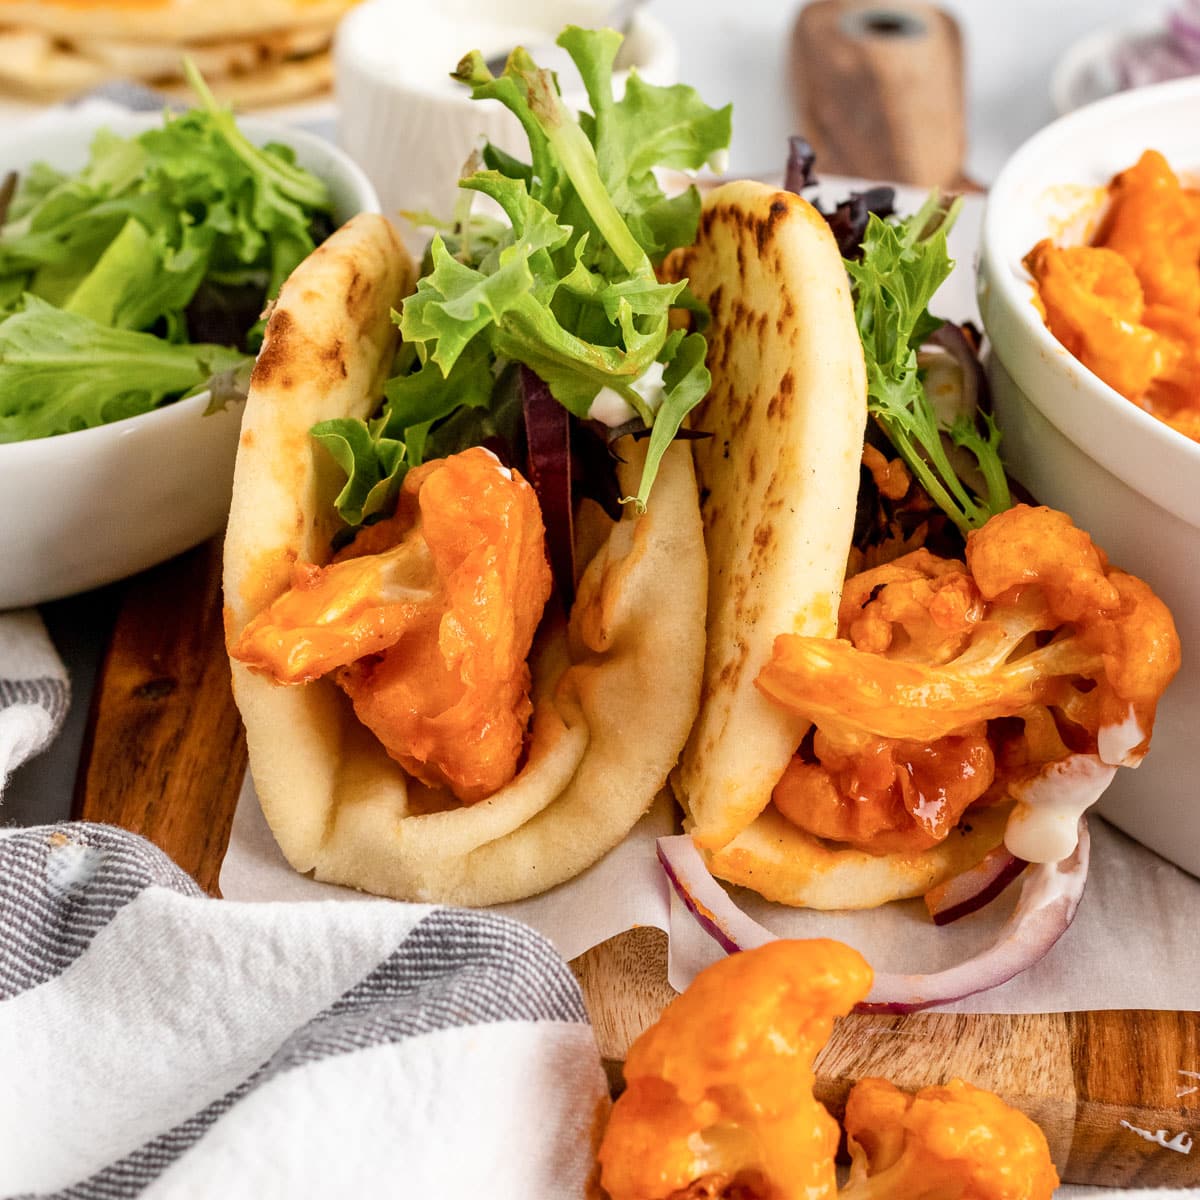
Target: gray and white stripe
(34, 691)
(60, 885)
(48, 693)
(110, 958)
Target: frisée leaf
(903, 263)
(568, 288)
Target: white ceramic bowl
(1130, 480)
(83, 509)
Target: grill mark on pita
(764, 229)
(714, 303)
(726, 344)
(286, 357)
(276, 349)
(358, 294)
(335, 353)
(781, 400)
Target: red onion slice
(1047, 905)
(706, 899)
(1045, 909)
(1183, 29)
(976, 394)
(973, 888)
(548, 432)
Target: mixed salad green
(901, 264)
(896, 265)
(137, 279)
(566, 287)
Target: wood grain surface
(164, 753)
(165, 758)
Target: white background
(739, 51)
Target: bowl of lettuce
(137, 252)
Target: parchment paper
(1135, 942)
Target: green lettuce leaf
(209, 203)
(93, 261)
(140, 278)
(61, 371)
(374, 466)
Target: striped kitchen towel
(157, 1043)
(34, 692)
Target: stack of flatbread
(253, 53)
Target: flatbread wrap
(614, 689)
(252, 55)
(169, 20)
(886, 702)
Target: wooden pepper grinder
(878, 90)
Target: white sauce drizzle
(1181, 1142)
(505, 471)
(1044, 824)
(1117, 743)
(612, 409)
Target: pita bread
(33, 65)
(783, 863)
(214, 60)
(247, 72)
(275, 83)
(171, 21)
(615, 693)
(778, 478)
(779, 481)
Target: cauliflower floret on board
(954, 1142)
(719, 1097)
(719, 1101)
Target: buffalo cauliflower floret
(1093, 304)
(719, 1101)
(426, 621)
(955, 1142)
(719, 1097)
(952, 684)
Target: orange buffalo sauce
(425, 622)
(1128, 306)
(956, 684)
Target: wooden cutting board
(165, 755)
